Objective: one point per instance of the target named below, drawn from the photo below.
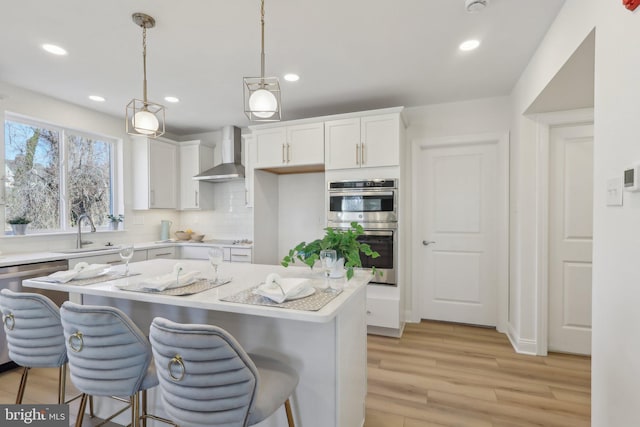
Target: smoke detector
(475, 6)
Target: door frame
(544, 122)
(502, 251)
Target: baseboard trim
(387, 332)
(521, 345)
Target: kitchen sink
(75, 251)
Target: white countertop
(8, 259)
(244, 276)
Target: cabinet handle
(239, 255)
(362, 162)
(368, 312)
(288, 153)
(283, 161)
(196, 199)
(114, 262)
(152, 197)
(357, 160)
(163, 254)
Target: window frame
(115, 170)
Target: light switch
(614, 192)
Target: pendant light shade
(262, 101)
(142, 116)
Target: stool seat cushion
(275, 385)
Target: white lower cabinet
(111, 259)
(168, 252)
(231, 254)
(383, 306)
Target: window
(52, 175)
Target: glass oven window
(357, 203)
(381, 244)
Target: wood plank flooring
(442, 374)
(437, 374)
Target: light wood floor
(437, 374)
(442, 374)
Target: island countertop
(244, 276)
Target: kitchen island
(327, 347)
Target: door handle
(427, 242)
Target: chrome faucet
(79, 241)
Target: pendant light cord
(262, 46)
(144, 65)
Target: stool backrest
(206, 378)
(108, 353)
(33, 329)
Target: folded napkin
(278, 289)
(82, 270)
(177, 278)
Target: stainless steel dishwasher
(11, 277)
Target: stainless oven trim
(361, 193)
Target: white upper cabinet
(285, 146)
(155, 167)
(195, 157)
(369, 141)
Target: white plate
(302, 294)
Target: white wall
(572, 25)
(616, 270)
(301, 209)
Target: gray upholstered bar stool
(207, 379)
(108, 356)
(34, 335)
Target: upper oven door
(362, 206)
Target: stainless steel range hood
(231, 166)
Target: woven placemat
(200, 285)
(313, 302)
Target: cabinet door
(162, 175)
(270, 147)
(380, 141)
(305, 144)
(342, 144)
(189, 167)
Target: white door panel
(570, 238)
(457, 208)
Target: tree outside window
(49, 190)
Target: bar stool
(34, 336)
(108, 356)
(207, 379)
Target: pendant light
(262, 94)
(143, 117)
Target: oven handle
(360, 193)
(383, 233)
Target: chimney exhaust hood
(231, 166)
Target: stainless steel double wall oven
(373, 204)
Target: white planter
(19, 229)
(114, 225)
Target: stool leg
(287, 408)
(23, 384)
(135, 409)
(83, 407)
(144, 408)
(62, 383)
(91, 413)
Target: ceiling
(350, 55)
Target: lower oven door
(385, 243)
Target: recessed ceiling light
(97, 98)
(291, 77)
(469, 45)
(171, 99)
(52, 48)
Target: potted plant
(114, 221)
(343, 241)
(19, 225)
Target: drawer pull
(239, 255)
(114, 262)
(163, 254)
(368, 312)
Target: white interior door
(458, 209)
(570, 238)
